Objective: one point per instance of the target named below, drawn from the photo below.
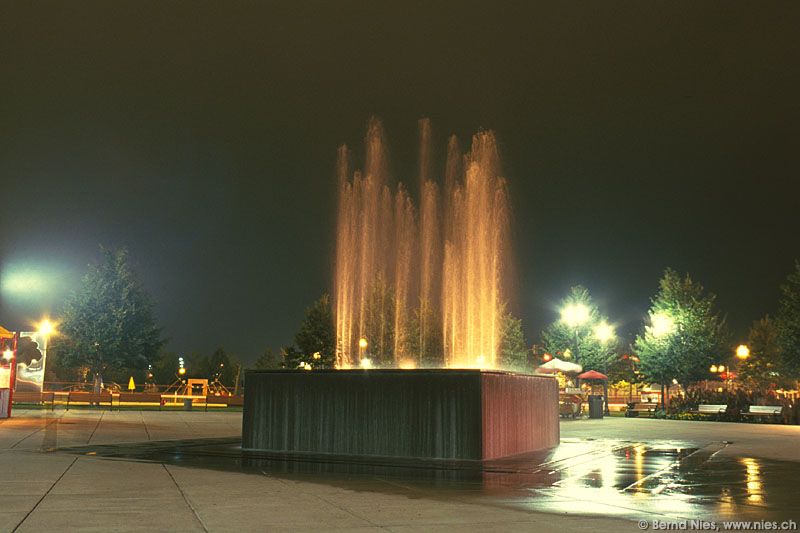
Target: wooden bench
(758, 411)
(40, 398)
(140, 397)
(92, 398)
(710, 409)
(227, 401)
(642, 407)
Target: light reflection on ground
(582, 477)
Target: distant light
(317, 355)
(366, 362)
(181, 371)
(408, 364)
(306, 366)
(713, 369)
(721, 368)
(674, 381)
(742, 351)
(547, 357)
(604, 332)
(662, 324)
(8, 354)
(46, 327)
(574, 315)
(362, 343)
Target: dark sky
(202, 135)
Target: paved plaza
(57, 474)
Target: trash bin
(187, 404)
(595, 406)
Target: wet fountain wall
(428, 279)
(428, 413)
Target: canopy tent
(593, 374)
(5, 334)
(557, 365)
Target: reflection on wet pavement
(585, 477)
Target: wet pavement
(583, 476)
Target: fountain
(419, 295)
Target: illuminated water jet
(422, 284)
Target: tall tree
(788, 324)
(513, 350)
(108, 323)
(588, 337)
(269, 360)
(685, 334)
(760, 370)
(317, 334)
(425, 347)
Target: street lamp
(574, 315)
(661, 325)
(603, 332)
(742, 352)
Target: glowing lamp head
(742, 351)
(317, 356)
(46, 327)
(721, 368)
(575, 314)
(713, 369)
(547, 357)
(181, 371)
(604, 332)
(662, 324)
(8, 354)
(362, 343)
(306, 366)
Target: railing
(123, 399)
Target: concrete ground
(43, 489)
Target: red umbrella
(593, 374)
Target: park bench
(33, 397)
(758, 411)
(642, 407)
(91, 398)
(228, 401)
(710, 409)
(140, 397)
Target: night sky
(203, 136)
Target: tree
(513, 350)
(591, 342)
(685, 334)
(269, 360)
(221, 367)
(108, 323)
(760, 369)
(292, 357)
(425, 347)
(317, 335)
(788, 324)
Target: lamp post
(362, 347)
(662, 326)
(742, 353)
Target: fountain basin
(431, 413)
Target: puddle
(586, 477)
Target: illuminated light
(408, 364)
(742, 351)
(721, 368)
(366, 362)
(547, 357)
(674, 381)
(8, 354)
(362, 343)
(567, 354)
(604, 332)
(713, 369)
(317, 355)
(306, 366)
(574, 315)
(662, 325)
(181, 371)
(46, 327)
